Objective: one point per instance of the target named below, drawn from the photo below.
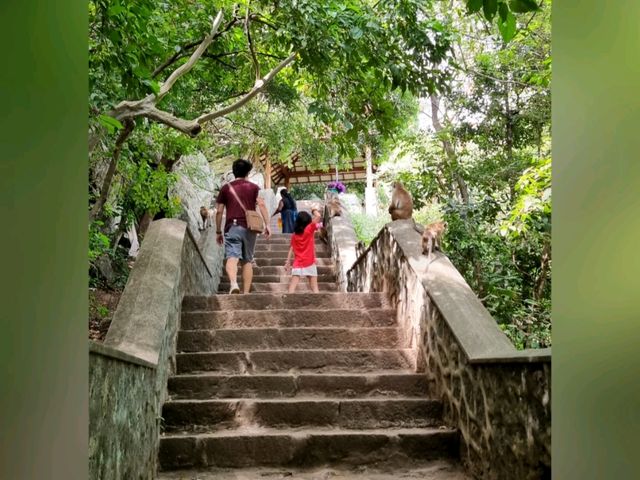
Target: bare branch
(257, 88)
(217, 59)
(277, 57)
(183, 52)
(180, 71)
(258, 19)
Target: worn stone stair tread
(280, 270)
(433, 470)
(300, 432)
(210, 385)
(282, 300)
(213, 415)
(318, 360)
(278, 318)
(304, 446)
(302, 399)
(258, 287)
(322, 277)
(381, 373)
(275, 339)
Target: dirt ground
(102, 305)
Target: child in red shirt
(303, 249)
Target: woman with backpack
(288, 210)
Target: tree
(335, 43)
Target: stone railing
(128, 373)
(498, 397)
(342, 242)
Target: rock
(195, 188)
(103, 264)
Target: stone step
(210, 385)
(303, 286)
(271, 447)
(283, 278)
(280, 271)
(271, 261)
(284, 247)
(442, 469)
(297, 361)
(375, 317)
(289, 301)
(200, 416)
(287, 339)
(284, 240)
(282, 254)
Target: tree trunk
(449, 150)
(541, 282)
(96, 211)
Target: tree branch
(96, 211)
(217, 59)
(180, 71)
(183, 50)
(257, 88)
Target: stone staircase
(276, 385)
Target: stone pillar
(267, 172)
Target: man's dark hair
(241, 168)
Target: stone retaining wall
(498, 397)
(128, 373)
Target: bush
(367, 226)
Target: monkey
(401, 206)
(432, 237)
(322, 232)
(335, 209)
(207, 215)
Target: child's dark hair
(241, 168)
(302, 221)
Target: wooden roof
(299, 174)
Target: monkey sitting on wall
(401, 206)
(335, 209)
(432, 237)
(207, 217)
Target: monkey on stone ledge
(401, 206)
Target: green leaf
(503, 10)
(474, 6)
(508, 28)
(153, 85)
(356, 33)
(110, 123)
(115, 10)
(490, 7)
(523, 6)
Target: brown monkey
(335, 209)
(207, 215)
(401, 206)
(432, 237)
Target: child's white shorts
(310, 271)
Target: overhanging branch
(180, 71)
(257, 88)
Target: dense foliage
(485, 160)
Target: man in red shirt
(239, 241)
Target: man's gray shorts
(239, 242)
